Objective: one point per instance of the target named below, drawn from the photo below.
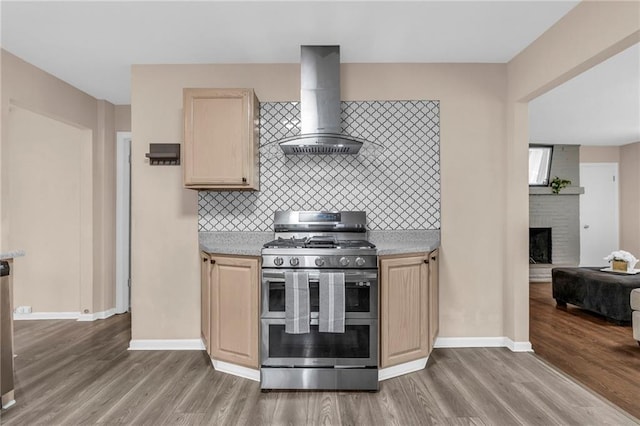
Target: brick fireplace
(557, 213)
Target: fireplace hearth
(540, 245)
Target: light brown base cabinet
(408, 307)
(233, 308)
(205, 300)
(7, 393)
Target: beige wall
(482, 123)
(630, 198)
(47, 202)
(590, 33)
(599, 154)
(484, 139)
(165, 271)
(123, 118)
(104, 202)
(30, 88)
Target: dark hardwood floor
(599, 354)
(81, 373)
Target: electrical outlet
(23, 310)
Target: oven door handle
(278, 276)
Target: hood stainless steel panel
(320, 89)
(320, 106)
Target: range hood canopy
(320, 106)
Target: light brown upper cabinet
(221, 136)
(409, 307)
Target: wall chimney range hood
(320, 106)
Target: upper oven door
(361, 292)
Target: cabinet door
(6, 338)
(220, 139)
(404, 317)
(234, 308)
(205, 300)
(434, 295)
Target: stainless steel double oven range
(318, 243)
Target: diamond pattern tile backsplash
(396, 182)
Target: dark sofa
(605, 293)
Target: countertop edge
(387, 242)
(11, 254)
(407, 250)
(231, 251)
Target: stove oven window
(357, 297)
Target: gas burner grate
(321, 242)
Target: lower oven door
(356, 347)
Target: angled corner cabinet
(230, 294)
(408, 307)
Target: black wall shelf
(164, 154)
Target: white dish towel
(331, 311)
(296, 303)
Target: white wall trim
(519, 346)
(64, 315)
(236, 370)
(166, 345)
(8, 404)
(46, 316)
(401, 369)
(97, 315)
(482, 342)
(123, 213)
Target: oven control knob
(360, 261)
(319, 261)
(294, 261)
(344, 261)
(278, 261)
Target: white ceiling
(598, 107)
(92, 45)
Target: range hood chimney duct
(320, 106)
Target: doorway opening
(123, 222)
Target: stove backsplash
(398, 184)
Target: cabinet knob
(204, 260)
(426, 261)
(433, 258)
(244, 180)
(213, 262)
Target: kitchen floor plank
(599, 354)
(72, 372)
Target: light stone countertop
(243, 243)
(387, 242)
(401, 242)
(4, 255)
